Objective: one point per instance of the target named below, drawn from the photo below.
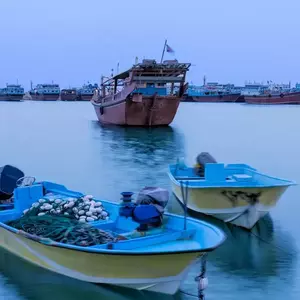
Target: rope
(62, 229)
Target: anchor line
(199, 277)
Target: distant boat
(253, 89)
(69, 94)
(45, 92)
(275, 94)
(12, 92)
(86, 92)
(148, 94)
(212, 93)
(234, 193)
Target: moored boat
(148, 94)
(12, 92)
(86, 92)
(212, 92)
(69, 94)
(45, 92)
(274, 94)
(274, 98)
(235, 193)
(135, 244)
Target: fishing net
(62, 229)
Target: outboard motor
(9, 176)
(148, 209)
(202, 159)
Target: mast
(163, 53)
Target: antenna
(162, 56)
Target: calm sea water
(63, 142)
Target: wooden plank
(158, 78)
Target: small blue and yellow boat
(131, 244)
(235, 193)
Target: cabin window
(150, 84)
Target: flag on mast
(169, 49)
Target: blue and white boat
(12, 92)
(235, 193)
(134, 244)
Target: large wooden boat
(148, 94)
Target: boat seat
(148, 241)
(241, 177)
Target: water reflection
(133, 157)
(260, 253)
(160, 144)
(34, 283)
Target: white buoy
(203, 283)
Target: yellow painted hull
(214, 202)
(161, 273)
(212, 198)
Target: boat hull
(223, 98)
(291, 98)
(45, 97)
(68, 97)
(85, 97)
(11, 97)
(219, 203)
(145, 112)
(157, 272)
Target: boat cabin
(46, 89)
(150, 77)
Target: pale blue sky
(70, 42)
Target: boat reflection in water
(37, 283)
(264, 255)
(140, 155)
